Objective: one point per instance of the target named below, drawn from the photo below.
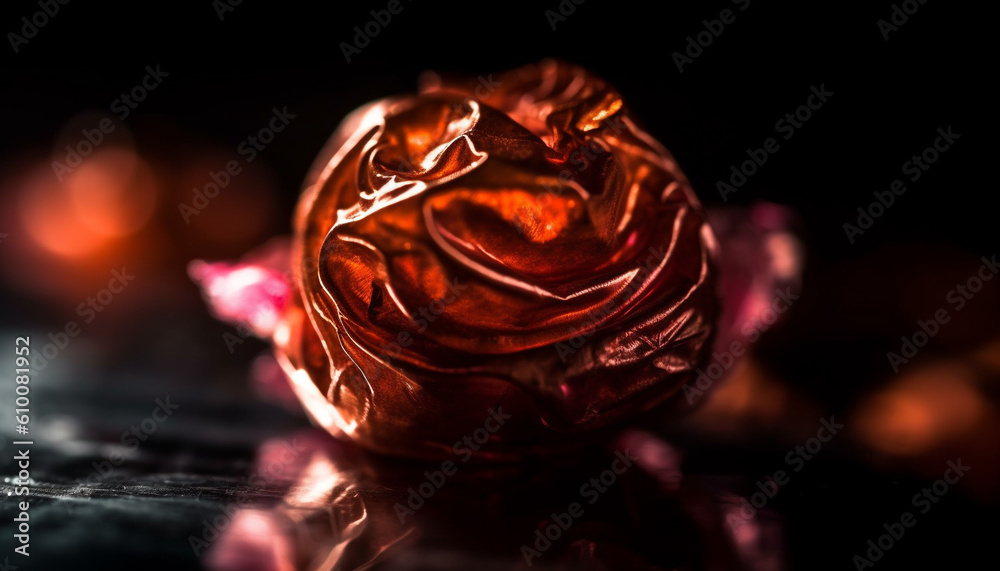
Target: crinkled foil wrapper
(513, 243)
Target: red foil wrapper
(499, 265)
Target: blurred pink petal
(656, 456)
(254, 541)
(252, 292)
(759, 256)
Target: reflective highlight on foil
(532, 249)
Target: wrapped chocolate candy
(496, 267)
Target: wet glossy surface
(229, 482)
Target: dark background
(890, 96)
(889, 99)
